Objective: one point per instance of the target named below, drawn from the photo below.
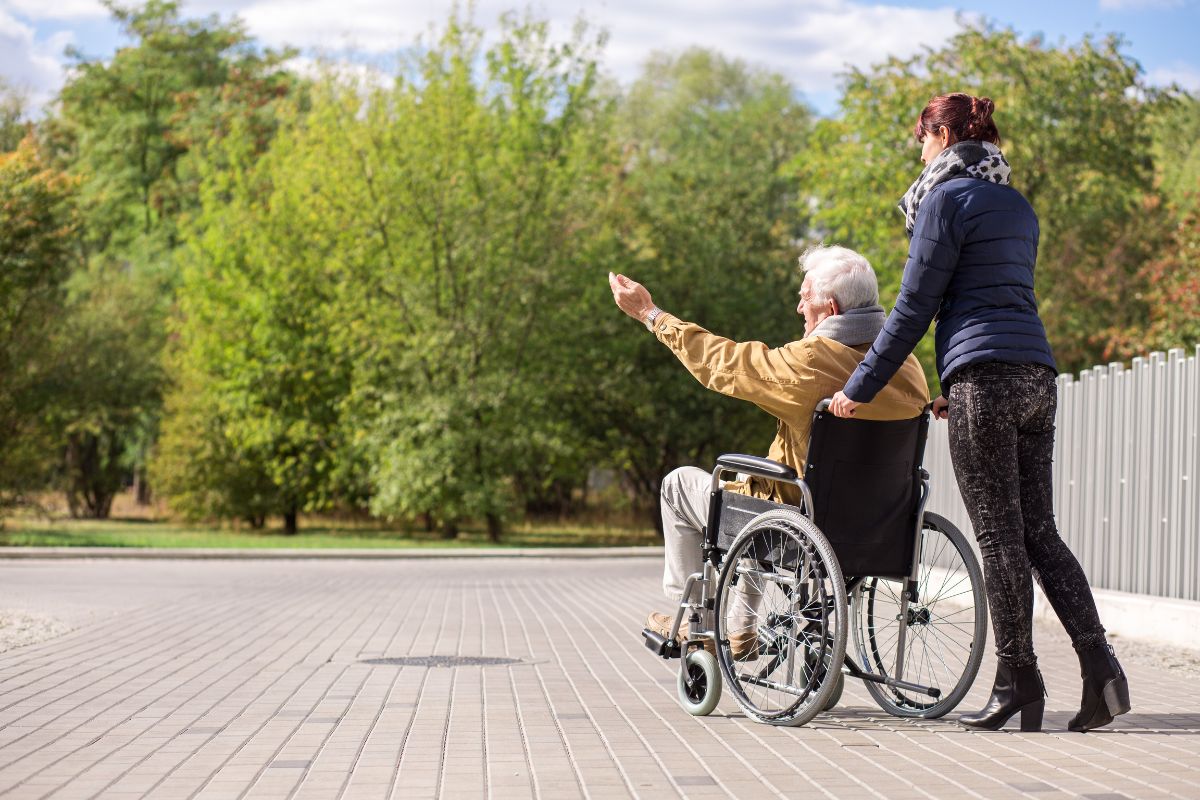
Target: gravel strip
(19, 628)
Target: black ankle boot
(1019, 689)
(1105, 689)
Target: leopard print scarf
(974, 159)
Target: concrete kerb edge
(1138, 617)
(203, 554)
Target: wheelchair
(858, 581)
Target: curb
(364, 554)
(1137, 617)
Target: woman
(970, 265)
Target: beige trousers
(684, 503)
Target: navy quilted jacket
(970, 267)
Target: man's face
(812, 310)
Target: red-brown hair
(965, 116)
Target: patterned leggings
(1002, 446)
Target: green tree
(137, 130)
(258, 381)
(126, 124)
(480, 174)
(1075, 123)
(198, 467)
(368, 309)
(1177, 151)
(103, 385)
(37, 236)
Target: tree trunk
(429, 524)
(92, 475)
(290, 525)
(449, 529)
(495, 528)
(141, 487)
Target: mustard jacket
(787, 382)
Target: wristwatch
(653, 315)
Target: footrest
(660, 645)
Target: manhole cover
(441, 661)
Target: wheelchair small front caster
(699, 683)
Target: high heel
(1031, 717)
(1105, 689)
(1020, 689)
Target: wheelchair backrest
(865, 479)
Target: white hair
(842, 275)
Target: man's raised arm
(749, 371)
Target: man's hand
(631, 296)
(941, 408)
(843, 406)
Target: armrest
(753, 465)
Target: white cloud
(31, 64)
(54, 9)
(366, 76)
(1183, 75)
(809, 42)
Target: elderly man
(839, 301)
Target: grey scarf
(854, 327)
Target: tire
(800, 618)
(836, 695)
(699, 683)
(946, 629)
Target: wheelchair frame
(699, 596)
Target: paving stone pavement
(287, 679)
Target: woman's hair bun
(979, 123)
(982, 108)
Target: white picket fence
(1126, 467)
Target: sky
(808, 41)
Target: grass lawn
(37, 532)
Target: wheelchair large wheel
(945, 630)
(780, 619)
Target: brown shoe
(661, 624)
(744, 646)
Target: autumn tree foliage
(38, 225)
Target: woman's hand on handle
(843, 406)
(941, 407)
